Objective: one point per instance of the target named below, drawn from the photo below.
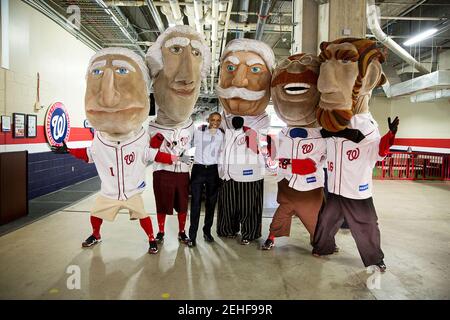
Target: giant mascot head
(294, 90)
(178, 60)
(245, 73)
(117, 91)
(350, 70)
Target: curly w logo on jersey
(307, 148)
(353, 154)
(129, 158)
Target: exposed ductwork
(430, 96)
(374, 26)
(155, 14)
(432, 81)
(262, 18)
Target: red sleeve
(163, 157)
(80, 153)
(385, 143)
(251, 138)
(303, 166)
(156, 141)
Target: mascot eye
(231, 68)
(196, 52)
(122, 71)
(97, 72)
(345, 61)
(176, 49)
(255, 69)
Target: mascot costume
(350, 70)
(300, 148)
(117, 104)
(178, 61)
(244, 92)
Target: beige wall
(417, 120)
(37, 44)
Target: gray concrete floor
(37, 261)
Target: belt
(205, 166)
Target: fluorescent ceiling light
(421, 36)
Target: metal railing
(413, 166)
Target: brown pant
(362, 220)
(303, 204)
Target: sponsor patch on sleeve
(311, 179)
(248, 172)
(364, 187)
(142, 185)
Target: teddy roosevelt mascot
(244, 93)
(116, 104)
(178, 61)
(300, 148)
(350, 70)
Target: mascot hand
(237, 122)
(61, 149)
(393, 126)
(186, 159)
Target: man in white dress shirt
(207, 142)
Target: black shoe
(381, 266)
(208, 238)
(90, 241)
(245, 242)
(153, 249)
(191, 243)
(183, 237)
(160, 237)
(269, 244)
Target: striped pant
(240, 207)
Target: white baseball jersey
(120, 164)
(349, 164)
(176, 142)
(237, 161)
(207, 146)
(313, 147)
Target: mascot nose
(237, 122)
(109, 96)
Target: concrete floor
(415, 228)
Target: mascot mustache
(285, 77)
(242, 93)
(334, 120)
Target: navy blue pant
(203, 177)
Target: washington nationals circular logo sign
(57, 124)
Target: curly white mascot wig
(154, 56)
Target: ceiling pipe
(413, 18)
(243, 15)
(176, 11)
(374, 26)
(167, 11)
(198, 14)
(189, 12)
(214, 37)
(155, 14)
(262, 17)
(227, 22)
